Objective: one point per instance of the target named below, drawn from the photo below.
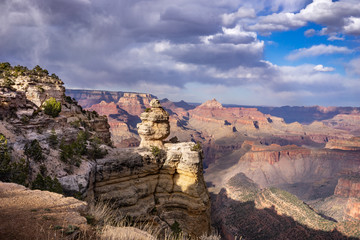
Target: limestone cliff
(161, 182)
(57, 143)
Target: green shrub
(55, 76)
(11, 171)
(70, 100)
(197, 147)
(8, 82)
(95, 152)
(33, 150)
(66, 151)
(52, 139)
(155, 151)
(5, 66)
(147, 109)
(47, 183)
(52, 107)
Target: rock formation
(267, 149)
(154, 127)
(164, 185)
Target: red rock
(348, 186)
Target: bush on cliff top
(33, 150)
(52, 107)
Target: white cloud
(310, 32)
(340, 16)
(352, 26)
(318, 50)
(321, 68)
(335, 38)
(353, 67)
(242, 12)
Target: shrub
(11, 172)
(5, 66)
(47, 183)
(8, 82)
(52, 107)
(147, 109)
(54, 76)
(155, 151)
(95, 152)
(197, 147)
(33, 150)
(52, 139)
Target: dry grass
(113, 225)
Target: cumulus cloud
(340, 16)
(310, 32)
(164, 46)
(321, 68)
(336, 38)
(230, 18)
(318, 50)
(352, 26)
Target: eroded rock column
(154, 127)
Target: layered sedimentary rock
(154, 127)
(164, 184)
(352, 144)
(348, 186)
(166, 188)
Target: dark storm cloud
(116, 43)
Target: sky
(260, 52)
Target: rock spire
(155, 126)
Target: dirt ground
(35, 214)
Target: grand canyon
(297, 166)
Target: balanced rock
(154, 127)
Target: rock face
(57, 138)
(348, 186)
(161, 188)
(154, 127)
(164, 186)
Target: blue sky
(280, 52)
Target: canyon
(49, 142)
(306, 157)
(193, 167)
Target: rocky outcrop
(352, 211)
(62, 146)
(352, 144)
(154, 127)
(348, 186)
(163, 188)
(164, 184)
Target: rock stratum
(67, 149)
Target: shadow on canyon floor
(242, 220)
